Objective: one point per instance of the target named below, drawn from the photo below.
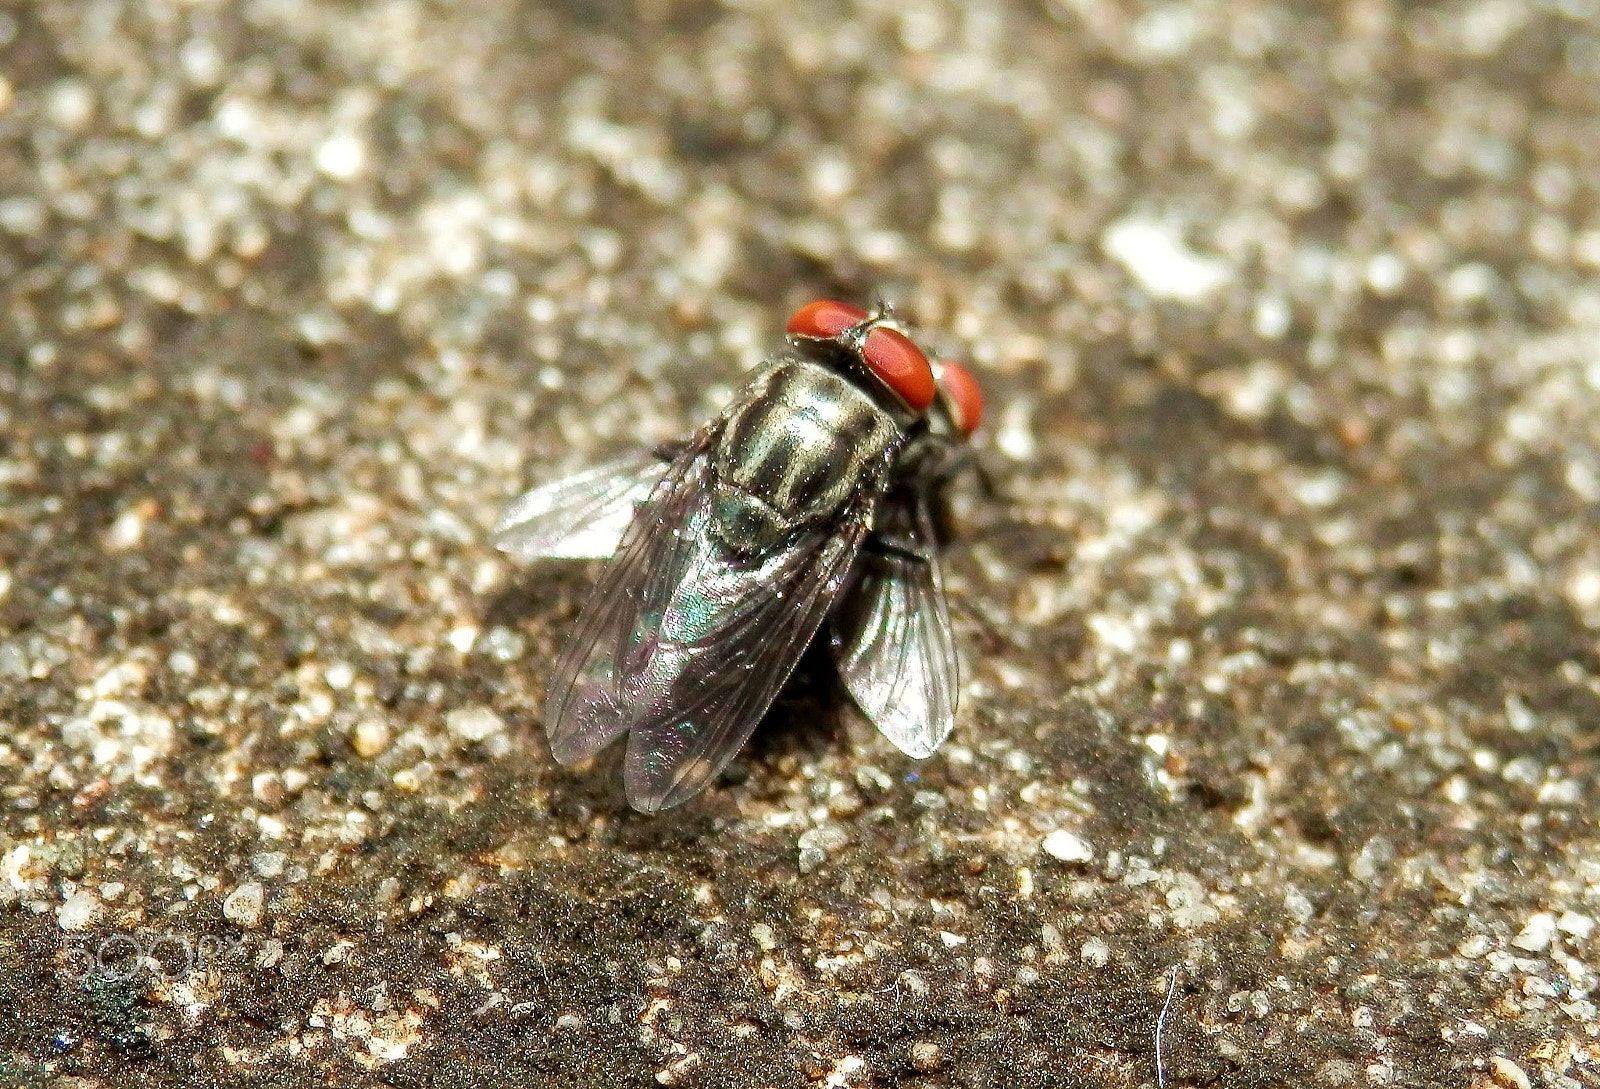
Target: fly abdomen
(793, 453)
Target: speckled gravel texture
(1280, 627)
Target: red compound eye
(966, 399)
(825, 318)
(901, 365)
(897, 362)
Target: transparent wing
(589, 705)
(891, 635)
(582, 516)
(729, 634)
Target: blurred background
(1279, 632)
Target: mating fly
(805, 501)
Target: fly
(805, 502)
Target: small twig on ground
(1161, 1025)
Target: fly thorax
(793, 453)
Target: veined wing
(729, 636)
(589, 705)
(685, 643)
(582, 516)
(891, 636)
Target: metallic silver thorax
(800, 443)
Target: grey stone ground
(1281, 631)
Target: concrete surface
(1281, 631)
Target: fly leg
(897, 548)
(929, 461)
(667, 452)
(958, 459)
